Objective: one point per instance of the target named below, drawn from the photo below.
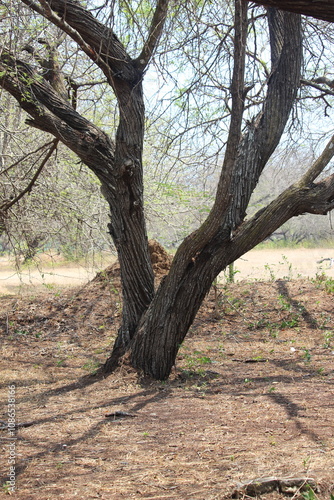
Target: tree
(155, 322)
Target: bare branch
(315, 84)
(31, 153)
(46, 12)
(319, 165)
(97, 41)
(295, 200)
(155, 32)
(6, 206)
(52, 114)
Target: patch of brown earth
(251, 395)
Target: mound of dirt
(161, 262)
(93, 300)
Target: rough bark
(118, 164)
(320, 9)
(209, 250)
(155, 324)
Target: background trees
(222, 89)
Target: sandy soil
(257, 264)
(284, 263)
(251, 396)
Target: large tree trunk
(155, 324)
(210, 249)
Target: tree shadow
(298, 308)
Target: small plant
(7, 488)
(285, 305)
(197, 359)
(309, 494)
(328, 338)
(306, 462)
(306, 355)
(285, 261)
(271, 272)
(21, 332)
(91, 366)
(322, 280)
(329, 285)
(290, 323)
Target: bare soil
(49, 272)
(251, 395)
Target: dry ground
(251, 395)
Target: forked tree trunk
(154, 324)
(211, 248)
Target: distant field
(256, 264)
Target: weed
(290, 323)
(21, 332)
(322, 280)
(329, 285)
(91, 366)
(271, 272)
(306, 462)
(7, 488)
(309, 494)
(306, 355)
(324, 321)
(196, 360)
(285, 305)
(285, 261)
(328, 338)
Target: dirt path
(255, 265)
(12, 282)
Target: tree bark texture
(320, 9)
(210, 249)
(117, 164)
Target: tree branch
(319, 165)
(50, 113)
(320, 9)
(31, 153)
(315, 84)
(97, 41)
(155, 32)
(295, 200)
(6, 206)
